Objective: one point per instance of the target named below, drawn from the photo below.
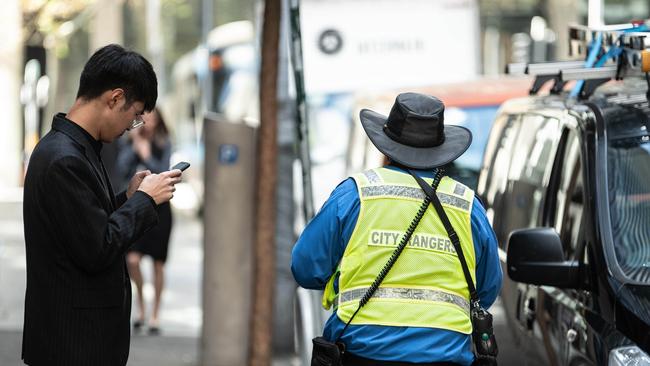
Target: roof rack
(544, 72)
(611, 52)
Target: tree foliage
(43, 17)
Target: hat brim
(457, 141)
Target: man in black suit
(78, 298)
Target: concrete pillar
(108, 24)
(595, 13)
(107, 27)
(228, 236)
(561, 13)
(155, 44)
(491, 51)
(11, 51)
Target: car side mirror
(535, 256)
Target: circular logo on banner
(330, 41)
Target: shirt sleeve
(320, 247)
(488, 268)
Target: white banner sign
(352, 45)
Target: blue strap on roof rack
(613, 52)
(627, 45)
(591, 60)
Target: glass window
(496, 163)
(539, 161)
(500, 162)
(569, 197)
(628, 167)
(531, 159)
(540, 158)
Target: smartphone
(182, 166)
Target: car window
(540, 158)
(494, 177)
(523, 143)
(537, 161)
(531, 157)
(628, 167)
(494, 140)
(568, 196)
(498, 161)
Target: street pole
(155, 44)
(33, 96)
(302, 123)
(11, 50)
(595, 13)
(264, 252)
(207, 9)
(285, 237)
(561, 13)
(107, 27)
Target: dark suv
(566, 185)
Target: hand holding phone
(182, 166)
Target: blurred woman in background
(148, 147)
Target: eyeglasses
(137, 122)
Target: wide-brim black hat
(414, 134)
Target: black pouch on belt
(326, 353)
(485, 342)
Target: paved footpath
(180, 314)
(181, 311)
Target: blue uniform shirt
(319, 250)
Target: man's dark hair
(112, 67)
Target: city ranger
(387, 259)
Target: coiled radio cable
(438, 175)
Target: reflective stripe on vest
(404, 293)
(413, 192)
(425, 287)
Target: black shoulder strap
(433, 197)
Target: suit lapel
(64, 126)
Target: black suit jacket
(78, 298)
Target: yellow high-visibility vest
(426, 286)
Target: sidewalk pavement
(178, 344)
(181, 309)
(145, 350)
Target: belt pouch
(325, 353)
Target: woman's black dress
(155, 242)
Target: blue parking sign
(228, 154)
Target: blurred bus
(221, 78)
